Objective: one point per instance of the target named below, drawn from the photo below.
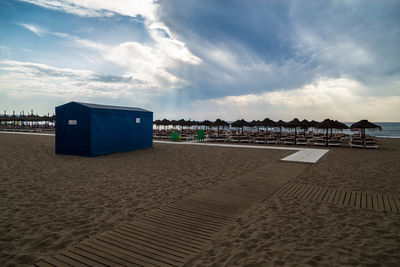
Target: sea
(389, 130)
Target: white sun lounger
(356, 144)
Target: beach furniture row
(271, 138)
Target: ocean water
(389, 130)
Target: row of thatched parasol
(295, 124)
(26, 118)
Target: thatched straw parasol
(182, 123)
(256, 123)
(330, 124)
(157, 123)
(280, 124)
(365, 124)
(314, 124)
(165, 122)
(341, 125)
(268, 123)
(206, 123)
(218, 123)
(295, 123)
(4, 117)
(305, 124)
(240, 124)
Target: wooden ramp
(341, 197)
(172, 235)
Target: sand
(49, 202)
(284, 231)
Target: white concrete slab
(28, 133)
(307, 155)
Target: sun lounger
(370, 143)
(272, 140)
(213, 138)
(356, 143)
(244, 139)
(164, 136)
(234, 139)
(319, 141)
(301, 142)
(260, 139)
(220, 138)
(334, 142)
(288, 141)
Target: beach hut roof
(100, 106)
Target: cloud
(248, 49)
(41, 31)
(150, 62)
(340, 98)
(153, 61)
(26, 79)
(100, 8)
(35, 29)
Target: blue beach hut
(92, 130)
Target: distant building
(92, 130)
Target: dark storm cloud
(284, 44)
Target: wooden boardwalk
(172, 235)
(341, 197)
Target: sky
(204, 59)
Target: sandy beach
(285, 231)
(51, 202)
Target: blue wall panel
(73, 139)
(108, 129)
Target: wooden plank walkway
(172, 235)
(341, 197)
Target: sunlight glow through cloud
(340, 98)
